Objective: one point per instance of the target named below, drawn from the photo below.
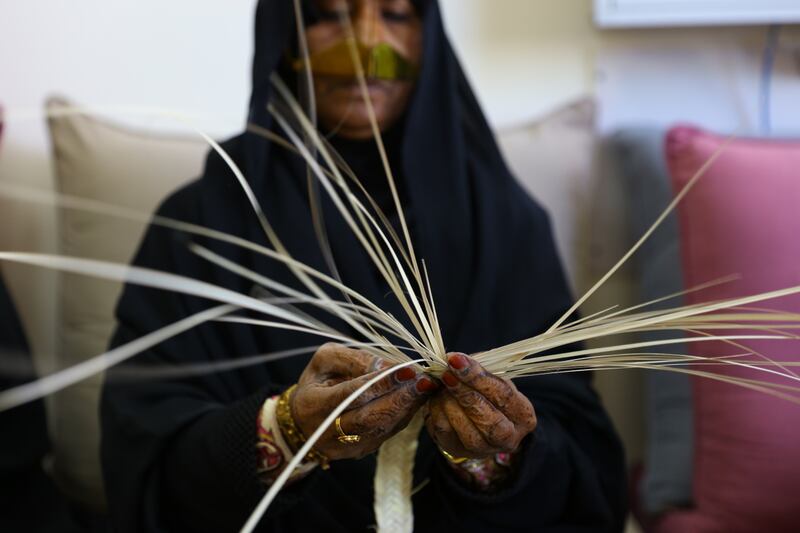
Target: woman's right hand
(334, 373)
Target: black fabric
(178, 454)
(30, 500)
(28, 421)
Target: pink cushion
(742, 217)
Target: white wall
(525, 57)
(702, 75)
(184, 55)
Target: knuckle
(403, 398)
(470, 399)
(368, 395)
(355, 424)
(366, 358)
(321, 355)
(473, 374)
(532, 415)
(326, 349)
(473, 443)
(359, 402)
(440, 427)
(376, 422)
(505, 395)
(501, 433)
(531, 422)
(528, 415)
(355, 363)
(386, 384)
(439, 424)
(509, 384)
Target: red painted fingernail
(405, 374)
(450, 379)
(426, 385)
(458, 361)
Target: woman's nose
(368, 24)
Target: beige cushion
(558, 159)
(101, 161)
(553, 158)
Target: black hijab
(180, 448)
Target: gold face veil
(380, 62)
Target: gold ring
(452, 458)
(344, 438)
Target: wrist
(291, 432)
(272, 450)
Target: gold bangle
(294, 437)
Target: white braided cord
(394, 478)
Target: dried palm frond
(729, 321)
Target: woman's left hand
(479, 414)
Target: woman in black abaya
(181, 454)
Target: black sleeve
(179, 454)
(176, 460)
(31, 501)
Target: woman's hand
(384, 409)
(479, 414)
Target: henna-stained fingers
(388, 414)
(502, 393)
(470, 437)
(336, 361)
(440, 429)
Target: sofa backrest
(99, 161)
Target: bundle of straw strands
(732, 321)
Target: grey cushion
(638, 156)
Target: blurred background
(599, 67)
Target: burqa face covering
(380, 62)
